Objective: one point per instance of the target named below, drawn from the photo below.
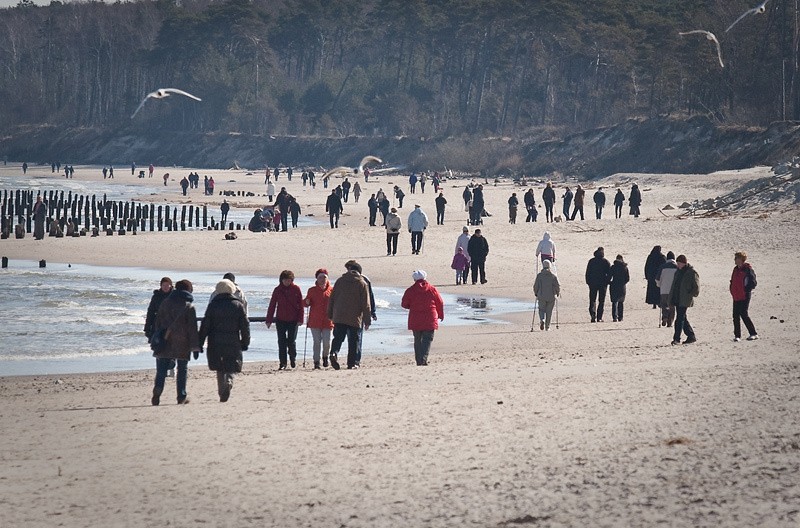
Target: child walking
(460, 264)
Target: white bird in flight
(756, 10)
(710, 36)
(161, 93)
(351, 170)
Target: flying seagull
(351, 170)
(756, 10)
(710, 36)
(162, 93)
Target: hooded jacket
(317, 300)
(178, 316)
(460, 262)
(546, 286)
(349, 301)
(619, 276)
(597, 270)
(685, 287)
(227, 328)
(393, 223)
(152, 311)
(665, 276)
(463, 242)
(743, 281)
(478, 248)
(579, 194)
(286, 304)
(425, 306)
(546, 246)
(417, 220)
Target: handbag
(159, 341)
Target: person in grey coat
(546, 288)
(417, 223)
(227, 328)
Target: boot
(316, 365)
(156, 399)
(325, 361)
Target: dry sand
(586, 425)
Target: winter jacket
(549, 196)
(440, 201)
(417, 220)
(743, 281)
(513, 202)
(653, 263)
(393, 223)
(425, 306)
(567, 198)
(317, 300)
(178, 317)
(478, 248)
(271, 189)
(152, 311)
(619, 276)
(635, 198)
(546, 287)
(579, 193)
(372, 203)
(530, 200)
(460, 262)
(349, 301)
(666, 274)
(546, 246)
(597, 271)
(619, 198)
(463, 243)
(333, 204)
(685, 287)
(227, 328)
(238, 294)
(286, 305)
(600, 198)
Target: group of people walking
(573, 203)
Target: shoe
(316, 365)
(594, 320)
(614, 320)
(292, 363)
(334, 362)
(675, 342)
(484, 281)
(183, 401)
(282, 366)
(669, 325)
(352, 367)
(599, 320)
(690, 340)
(156, 399)
(224, 395)
(737, 339)
(541, 325)
(325, 361)
(752, 337)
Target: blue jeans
(162, 367)
(682, 324)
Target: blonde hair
(740, 255)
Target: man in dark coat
(346, 190)
(224, 208)
(549, 199)
(227, 328)
(597, 277)
(372, 204)
(478, 249)
(599, 203)
(282, 203)
(635, 200)
(477, 205)
(441, 202)
(567, 197)
(333, 206)
(685, 287)
(165, 288)
(652, 265)
(579, 194)
(294, 210)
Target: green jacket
(685, 287)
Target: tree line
(419, 68)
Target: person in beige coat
(546, 288)
(348, 308)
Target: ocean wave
(81, 354)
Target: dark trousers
(566, 211)
(617, 307)
(597, 295)
(295, 217)
(400, 201)
(422, 345)
(284, 221)
(548, 212)
(391, 243)
(352, 333)
(163, 365)
(416, 241)
(740, 314)
(667, 310)
(224, 219)
(532, 214)
(618, 211)
(334, 218)
(373, 214)
(345, 194)
(682, 324)
(512, 215)
(440, 217)
(287, 337)
(224, 382)
(578, 209)
(478, 268)
(598, 211)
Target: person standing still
(478, 250)
(549, 199)
(685, 287)
(286, 309)
(425, 309)
(393, 226)
(223, 209)
(743, 282)
(39, 217)
(664, 278)
(567, 203)
(599, 203)
(597, 277)
(579, 198)
(513, 204)
(619, 201)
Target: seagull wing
(713, 37)
(695, 32)
(744, 15)
(141, 105)
(369, 159)
(181, 92)
(338, 170)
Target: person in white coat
(463, 242)
(417, 223)
(546, 248)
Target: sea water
(80, 318)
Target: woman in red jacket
(286, 309)
(317, 300)
(743, 281)
(425, 309)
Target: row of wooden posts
(94, 214)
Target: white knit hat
(419, 275)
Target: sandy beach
(584, 425)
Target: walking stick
(533, 318)
(305, 344)
(556, 313)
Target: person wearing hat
(463, 243)
(417, 223)
(425, 309)
(685, 287)
(393, 226)
(238, 293)
(317, 299)
(227, 328)
(546, 288)
(349, 308)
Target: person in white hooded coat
(546, 248)
(417, 223)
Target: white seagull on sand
(351, 170)
(710, 36)
(756, 10)
(161, 93)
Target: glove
(196, 354)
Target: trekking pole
(556, 313)
(305, 343)
(533, 318)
